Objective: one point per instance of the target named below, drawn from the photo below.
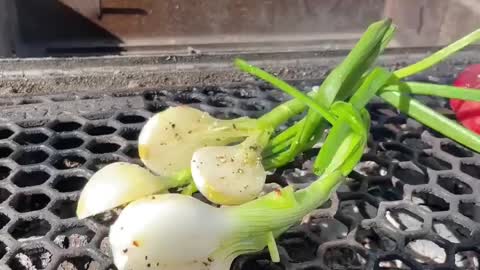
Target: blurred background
(111, 27)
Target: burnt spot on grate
(412, 188)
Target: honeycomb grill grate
(412, 203)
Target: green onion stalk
(227, 160)
(183, 147)
(174, 231)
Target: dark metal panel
(106, 24)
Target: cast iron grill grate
(412, 203)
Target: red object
(468, 112)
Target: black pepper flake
(125, 250)
(205, 263)
(234, 126)
(146, 258)
(218, 139)
(148, 265)
(210, 259)
(189, 132)
(158, 264)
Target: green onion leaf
(428, 89)
(432, 119)
(439, 56)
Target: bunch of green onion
(187, 150)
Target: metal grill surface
(412, 203)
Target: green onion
(428, 89)
(227, 160)
(230, 175)
(439, 56)
(432, 119)
(116, 184)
